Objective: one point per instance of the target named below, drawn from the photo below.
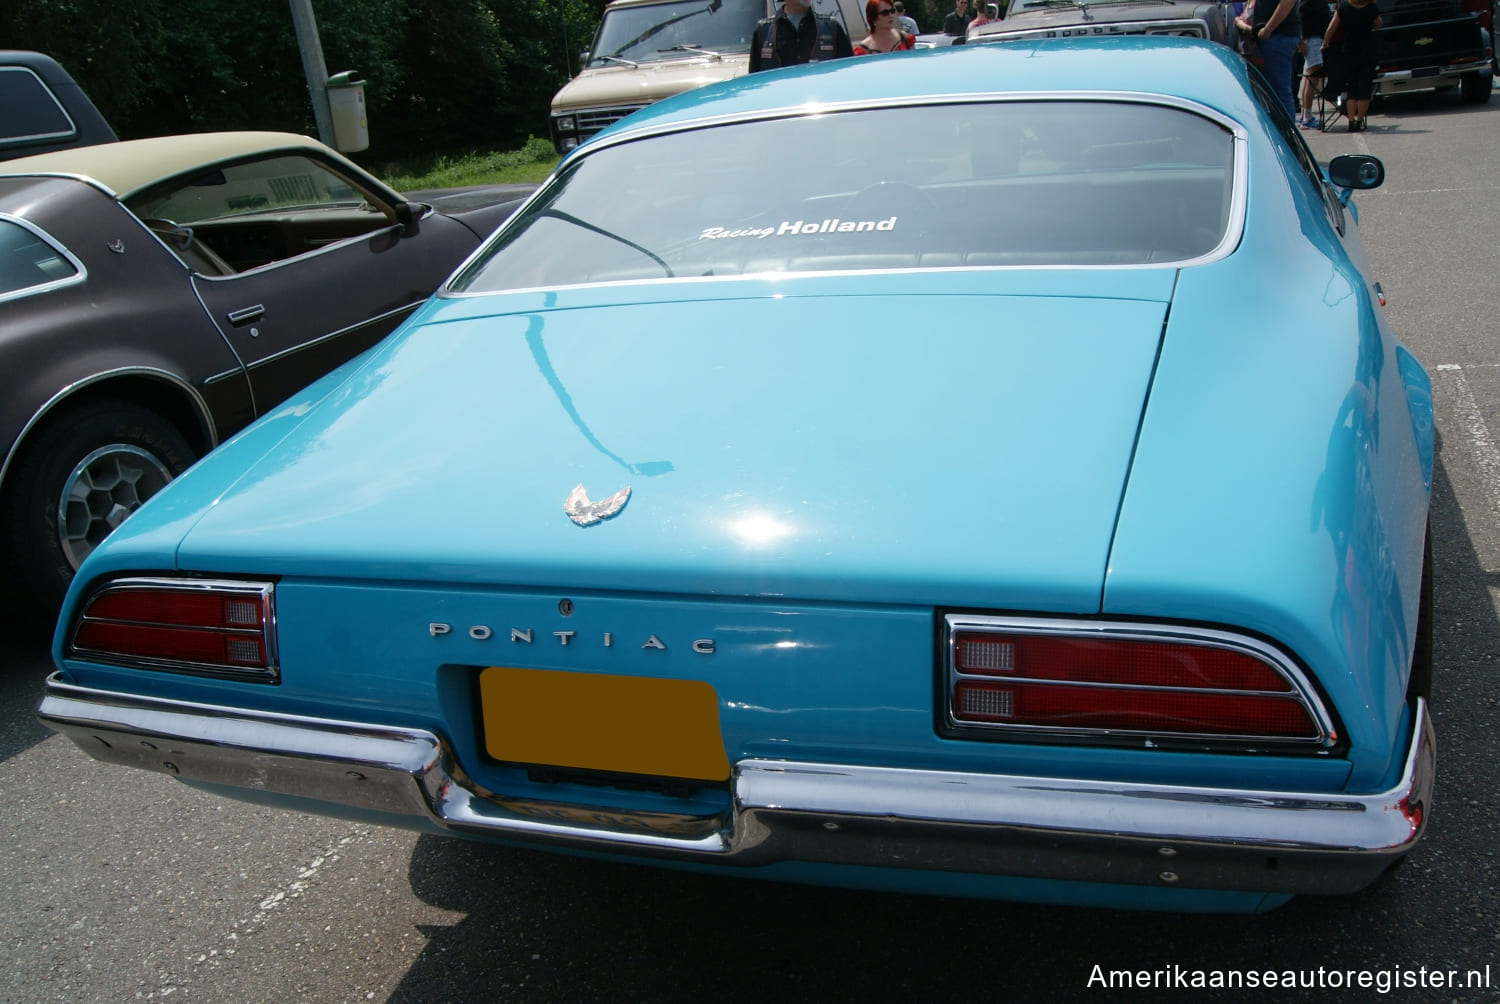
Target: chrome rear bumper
(1041, 827)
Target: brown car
(156, 295)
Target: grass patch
(530, 164)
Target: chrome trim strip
(776, 276)
(1302, 689)
(393, 229)
(812, 108)
(1233, 230)
(367, 322)
(65, 175)
(1044, 827)
(200, 406)
(80, 273)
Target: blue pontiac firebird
(983, 471)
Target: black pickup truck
(1436, 44)
(45, 109)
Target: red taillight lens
(1118, 661)
(221, 628)
(1001, 677)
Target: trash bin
(346, 107)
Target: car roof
(129, 166)
(1194, 69)
(39, 63)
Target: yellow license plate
(595, 721)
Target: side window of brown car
(259, 212)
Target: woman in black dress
(1354, 24)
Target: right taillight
(1133, 682)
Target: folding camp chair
(1331, 86)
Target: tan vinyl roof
(127, 167)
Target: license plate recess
(597, 721)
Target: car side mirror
(408, 213)
(1356, 170)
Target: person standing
(1315, 18)
(884, 35)
(1355, 25)
(987, 13)
(908, 24)
(957, 21)
(797, 35)
(1277, 33)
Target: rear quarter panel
(134, 311)
(1282, 476)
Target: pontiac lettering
(527, 636)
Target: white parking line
(1465, 410)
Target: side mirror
(408, 213)
(1356, 170)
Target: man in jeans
(1277, 32)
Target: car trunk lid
(964, 449)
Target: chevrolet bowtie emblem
(583, 512)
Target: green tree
(441, 75)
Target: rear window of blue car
(1009, 183)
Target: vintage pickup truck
(646, 50)
(45, 109)
(1436, 44)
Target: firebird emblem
(583, 512)
(1424, 40)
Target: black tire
(107, 458)
(1476, 88)
(1419, 684)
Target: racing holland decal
(799, 228)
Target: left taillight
(1056, 681)
(207, 627)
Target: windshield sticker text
(793, 228)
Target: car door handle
(246, 314)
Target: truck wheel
(77, 481)
(1477, 88)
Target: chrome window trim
(1233, 230)
(1302, 691)
(68, 133)
(390, 228)
(80, 273)
(806, 274)
(63, 175)
(266, 591)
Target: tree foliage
(441, 76)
